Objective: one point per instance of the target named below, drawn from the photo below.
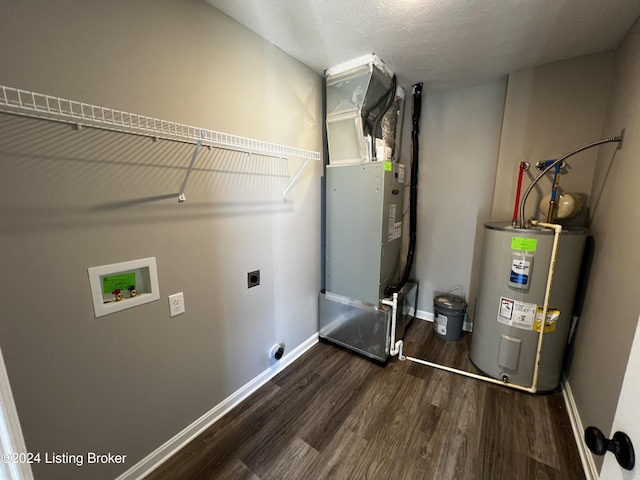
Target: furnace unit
(364, 208)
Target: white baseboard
(152, 461)
(588, 465)
(429, 317)
(424, 315)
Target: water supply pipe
(395, 347)
(556, 162)
(554, 193)
(554, 186)
(523, 166)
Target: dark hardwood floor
(335, 415)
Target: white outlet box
(176, 304)
(141, 274)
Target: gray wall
(472, 143)
(551, 110)
(70, 200)
(128, 382)
(459, 140)
(610, 315)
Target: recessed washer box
(136, 282)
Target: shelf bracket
(181, 196)
(295, 178)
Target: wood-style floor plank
(337, 459)
(335, 415)
(331, 407)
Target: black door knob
(620, 445)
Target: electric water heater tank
(513, 278)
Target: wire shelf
(38, 105)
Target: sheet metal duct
(358, 95)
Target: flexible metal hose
(556, 162)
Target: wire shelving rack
(80, 114)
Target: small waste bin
(449, 316)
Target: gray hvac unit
(364, 204)
(364, 224)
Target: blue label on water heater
(519, 278)
(520, 271)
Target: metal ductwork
(364, 112)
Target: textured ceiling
(443, 43)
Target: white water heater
(508, 316)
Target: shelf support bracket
(181, 196)
(295, 178)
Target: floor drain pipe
(397, 348)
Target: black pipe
(413, 192)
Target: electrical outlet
(253, 279)
(176, 304)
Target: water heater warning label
(400, 173)
(516, 314)
(552, 319)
